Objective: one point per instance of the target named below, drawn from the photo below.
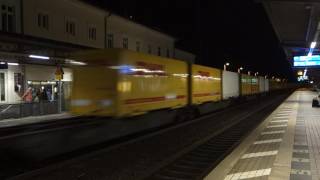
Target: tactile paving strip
(258, 160)
(300, 164)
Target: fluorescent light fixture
(74, 62)
(39, 57)
(313, 45)
(13, 64)
(78, 63)
(2, 62)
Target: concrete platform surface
(33, 119)
(285, 146)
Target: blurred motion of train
(122, 83)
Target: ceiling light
(39, 57)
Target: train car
(249, 85)
(245, 86)
(255, 88)
(266, 85)
(230, 85)
(206, 84)
(121, 83)
(274, 84)
(262, 84)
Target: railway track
(140, 144)
(198, 162)
(39, 126)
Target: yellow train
(121, 83)
(249, 85)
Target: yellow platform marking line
(283, 114)
(259, 154)
(248, 174)
(273, 132)
(276, 126)
(281, 117)
(268, 141)
(278, 121)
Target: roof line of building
(7, 37)
(110, 12)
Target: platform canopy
(296, 23)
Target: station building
(36, 37)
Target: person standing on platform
(27, 96)
(36, 96)
(48, 94)
(44, 96)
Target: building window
(8, 18)
(125, 43)
(149, 49)
(92, 33)
(70, 27)
(138, 46)
(159, 51)
(168, 53)
(18, 83)
(110, 41)
(43, 21)
(2, 87)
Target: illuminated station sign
(303, 61)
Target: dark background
(216, 31)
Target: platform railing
(20, 110)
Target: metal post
(189, 80)
(60, 97)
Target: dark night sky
(233, 31)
